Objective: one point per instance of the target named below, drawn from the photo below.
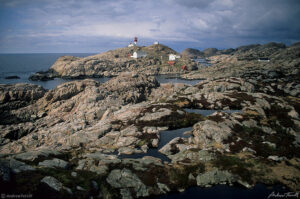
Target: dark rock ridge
(12, 77)
(246, 59)
(71, 142)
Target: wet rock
(43, 76)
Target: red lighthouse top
(135, 39)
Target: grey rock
(126, 179)
(194, 156)
(163, 188)
(79, 188)
(58, 163)
(156, 115)
(17, 166)
(5, 174)
(94, 185)
(276, 158)
(125, 193)
(52, 182)
(74, 174)
(247, 149)
(215, 177)
(33, 155)
(208, 132)
(144, 148)
(169, 147)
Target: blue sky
(40, 26)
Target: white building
(156, 43)
(139, 54)
(173, 57)
(132, 44)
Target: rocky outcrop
(114, 62)
(208, 52)
(19, 93)
(89, 139)
(16, 96)
(215, 177)
(126, 180)
(56, 163)
(192, 53)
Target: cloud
(199, 23)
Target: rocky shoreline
(75, 141)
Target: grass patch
(235, 165)
(254, 138)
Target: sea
(23, 65)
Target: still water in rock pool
(175, 79)
(259, 191)
(206, 112)
(165, 137)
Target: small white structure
(131, 45)
(173, 57)
(156, 43)
(139, 54)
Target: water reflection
(175, 79)
(206, 112)
(165, 137)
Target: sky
(91, 26)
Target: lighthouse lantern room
(135, 40)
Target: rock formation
(90, 139)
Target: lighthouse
(135, 40)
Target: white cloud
(197, 21)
